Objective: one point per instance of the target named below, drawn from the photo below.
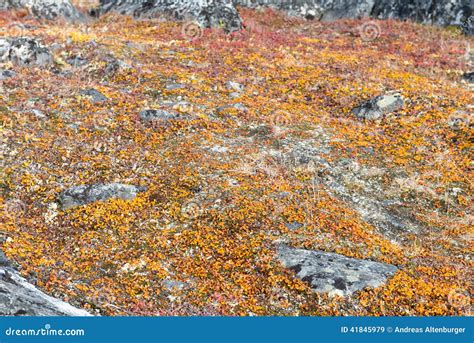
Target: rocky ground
(293, 167)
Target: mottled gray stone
(238, 106)
(173, 285)
(45, 9)
(379, 106)
(469, 77)
(208, 13)
(6, 74)
(94, 95)
(333, 273)
(173, 86)
(293, 225)
(238, 87)
(24, 51)
(81, 195)
(161, 115)
(18, 297)
(3, 260)
(438, 12)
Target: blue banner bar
(237, 329)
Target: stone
(173, 285)
(293, 225)
(216, 13)
(379, 106)
(3, 260)
(333, 273)
(469, 77)
(238, 87)
(76, 61)
(173, 86)
(161, 115)
(94, 95)
(24, 51)
(238, 106)
(85, 194)
(6, 74)
(438, 12)
(46, 9)
(18, 297)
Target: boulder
(333, 273)
(6, 74)
(45, 9)
(469, 77)
(24, 51)
(379, 106)
(438, 12)
(215, 13)
(18, 297)
(94, 95)
(85, 194)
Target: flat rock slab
(161, 115)
(20, 298)
(46, 9)
(216, 13)
(24, 51)
(333, 273)
(379, 106)
(84, 194)
(94, 95)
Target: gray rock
(379, 106)
(469, 77)
(238, 106)
(6, 74)
(3, 260)
(173, 285)
(173, 86)
(333, 273)
(81, 195)
(18, 297)
(161, 115)
(76, 61)
(293, 225)
(94, 95)
(215, 13)
(24, 51)
(238, 87)
(45, 9)
(438, 12)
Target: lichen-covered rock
(333, 273)
(6, 74)
(469, 77)
(210, 13)
(438, 12)
(81, 195)
(441, 12)
(94, 95)
(45, 9)
(161, 115)
(18, 297)
(379, 106)
(24, 51)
